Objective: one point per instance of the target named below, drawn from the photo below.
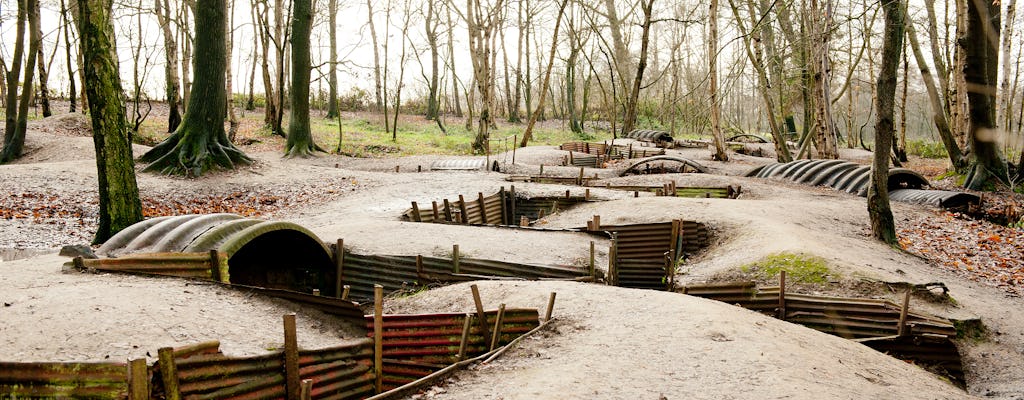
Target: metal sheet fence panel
(186, 265)
(459, 164)
(63, 380)
(420, 344)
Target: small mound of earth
(67, 124)
(673, 346)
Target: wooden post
(551, 307)
(483, 207)
(168, 373)
(215, 266)
(339, 266)
(523, 221)
(515, 139)
(613, 275)
(419, 264)
(416, 213)
(396, 168)
(138, 380)
(579, 180)
(479, 309)
(505, 218)
(436, 212)
(292, 384)
(542, 170)
(636, 193)
(593, 269)
(447, 211)
(455, 258)
(597, 222)
(782, 295)
(512, 198)
(586, 194)
(378, 336)
(316, 292)
(497, 326)
(570, 158)
(419, 168)
(462, 209)
(307, 389)
(344, 292)
(464, 342)
(902, 329)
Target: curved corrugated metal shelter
(646, 135)
(272, 254)
(635, 167)
(463, 164)
(838, 174)
(937, 198)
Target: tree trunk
(900, 148)
(378, 96)
(300, 138)
(716, 124)
(451, 62)
(65, 22)
(981, 48)
(280, 40)
(269, 97)
(332, 74)
(186, 53)
(11, 102)
(883, 227)
(14, 141)
(629, 121)
(820, 28)
(517, 97)
(229, 76)
(163, 15)
(1005, 113)
(430, 22)
(528, 133)
(200, 143)
(119, 194)
(44, 92)
(481, 26)
(939, 116)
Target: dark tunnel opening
(283, 259)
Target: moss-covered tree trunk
(300, 139)
(119, 193)
(11, 100)
(332, 76)
(882, 225)
(200, 142)
(14, 140)
(981, 48)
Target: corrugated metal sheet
(722, 192)
(395, 273)
(837, 174)
(185, 265)
(462, 164)
(340, 372)
(644, 165)
(272, 254)
(472, 210)
(63, 380)
(936, 353)
(420, 344)
(616, 152)
(937, 198)
(643, 252)
(646, 135)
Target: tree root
(192, 154)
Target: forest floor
(607, 343)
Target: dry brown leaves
(978, 250)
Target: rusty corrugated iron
(185, 265)
(419, 344)
(837, 174)
(645, 255)
(716, 192)
(63, 380)
(643, 165)
(935, 353)
(936, 198)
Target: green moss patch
(802, 268)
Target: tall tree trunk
(300, 138)
(270, 96)
(44, 92)
(451, 61)
(981, 48)
(65, 22)
(171, 79)
(431, 23)
(280, 40)
(250, 101)
(820, 28)
(882, 226)
(629, 121)
(186, 52)
(528, 132)
(13, 76)
(229, 76)
(716, 124)
(1005, 114)
(200, 143)
(332, 74)
(120, 206)
(482, 24)
(517, 97)
(14, 141)
(900, 148)
(377, 95)
(939, 116)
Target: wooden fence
(501, 208)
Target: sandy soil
(609, 342)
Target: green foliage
(926, 149)
(804, 268)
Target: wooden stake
(339, 266)
(636, 193)
(419, 168)
(455, 258)
(447, 211)
(419, 264)
(436, 214)
(307, 389)
(215, 266)
(782, 295)
(396, 168)
(481, 316)
(902, 329)
(168, 373)
(464, 342)
(462, 208)
(579, 180)
(551, 306)
(497, 326)
(567, 196)
(378, 336)
(138, 380)
(292, 383)
(416, 213)
(593, 269)
(316, 292)
(586, 194)
(505, 217)
(483, 207)
(512, 199)
(597, 222)
(542, 169)
(345, 291)
(523, 221)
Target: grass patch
(926, 149)
(802, 268)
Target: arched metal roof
(682, 160)
(837, 174)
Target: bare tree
(629, 121)
(482, 22)
(980, 46)
(65, 23)
(528, 132)
(378, 96)
(716, 124)
(17, 122)
(172, 81)
(882, 226)
(332, 68)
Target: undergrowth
(802, 268)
